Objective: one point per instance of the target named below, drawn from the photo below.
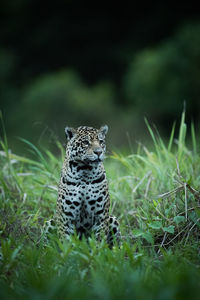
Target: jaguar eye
(86, 143)
(101, 142)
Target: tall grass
(158, 195)
(155, 196)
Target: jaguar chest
(92, 203)
(84, 199)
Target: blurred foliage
(39, 98)
(62, 94)
(61, 98)
(160, 79)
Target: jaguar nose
(98, 151)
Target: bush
(61, 98)
(160, 79)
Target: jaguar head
(86, 144)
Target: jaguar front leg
(113, 233)
(108, 229)
(99, 230)
(66, 229)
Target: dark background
(89, 63)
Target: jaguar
(83, 201)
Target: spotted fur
(83, 198)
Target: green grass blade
(169, 148)
(194, 141)
(154, 139)
(182, 135)
(34, 148)
(5, 140)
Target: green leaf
(137, 232)
(169, 229)
(179, 219)
(148, 237)
(155, 225)
(155, 203)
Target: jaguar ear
(69, 132)
(103, 130)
